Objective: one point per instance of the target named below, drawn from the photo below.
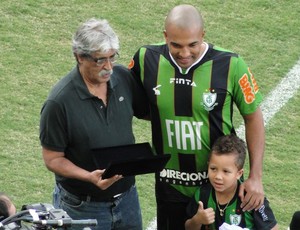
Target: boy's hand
(206, 216)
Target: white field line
(152, 224)
(277, 98)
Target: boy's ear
(239, 174)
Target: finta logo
(182, 81)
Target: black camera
(42, 217)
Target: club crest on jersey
(235, 219)
(209, 100)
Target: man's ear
(78, 58)
(165, 34)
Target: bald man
(192, 86)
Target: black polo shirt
(74, 121)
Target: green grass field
(35, 52)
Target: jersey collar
(185, 71)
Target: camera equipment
(42, 217)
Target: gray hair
(94, 35)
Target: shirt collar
(182, 71)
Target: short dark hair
(230, 144)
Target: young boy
(218, 201)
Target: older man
(92, 107)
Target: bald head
(183, 17)
(7, 208)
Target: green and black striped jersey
(261, 219)
(190, 110)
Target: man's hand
(103, 184)
(252, 194)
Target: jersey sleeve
(134, 65)
(140, 97)
(247, 95)
(264, 218)
(140, 103)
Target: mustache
(105, 72)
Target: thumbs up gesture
(205, 216)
